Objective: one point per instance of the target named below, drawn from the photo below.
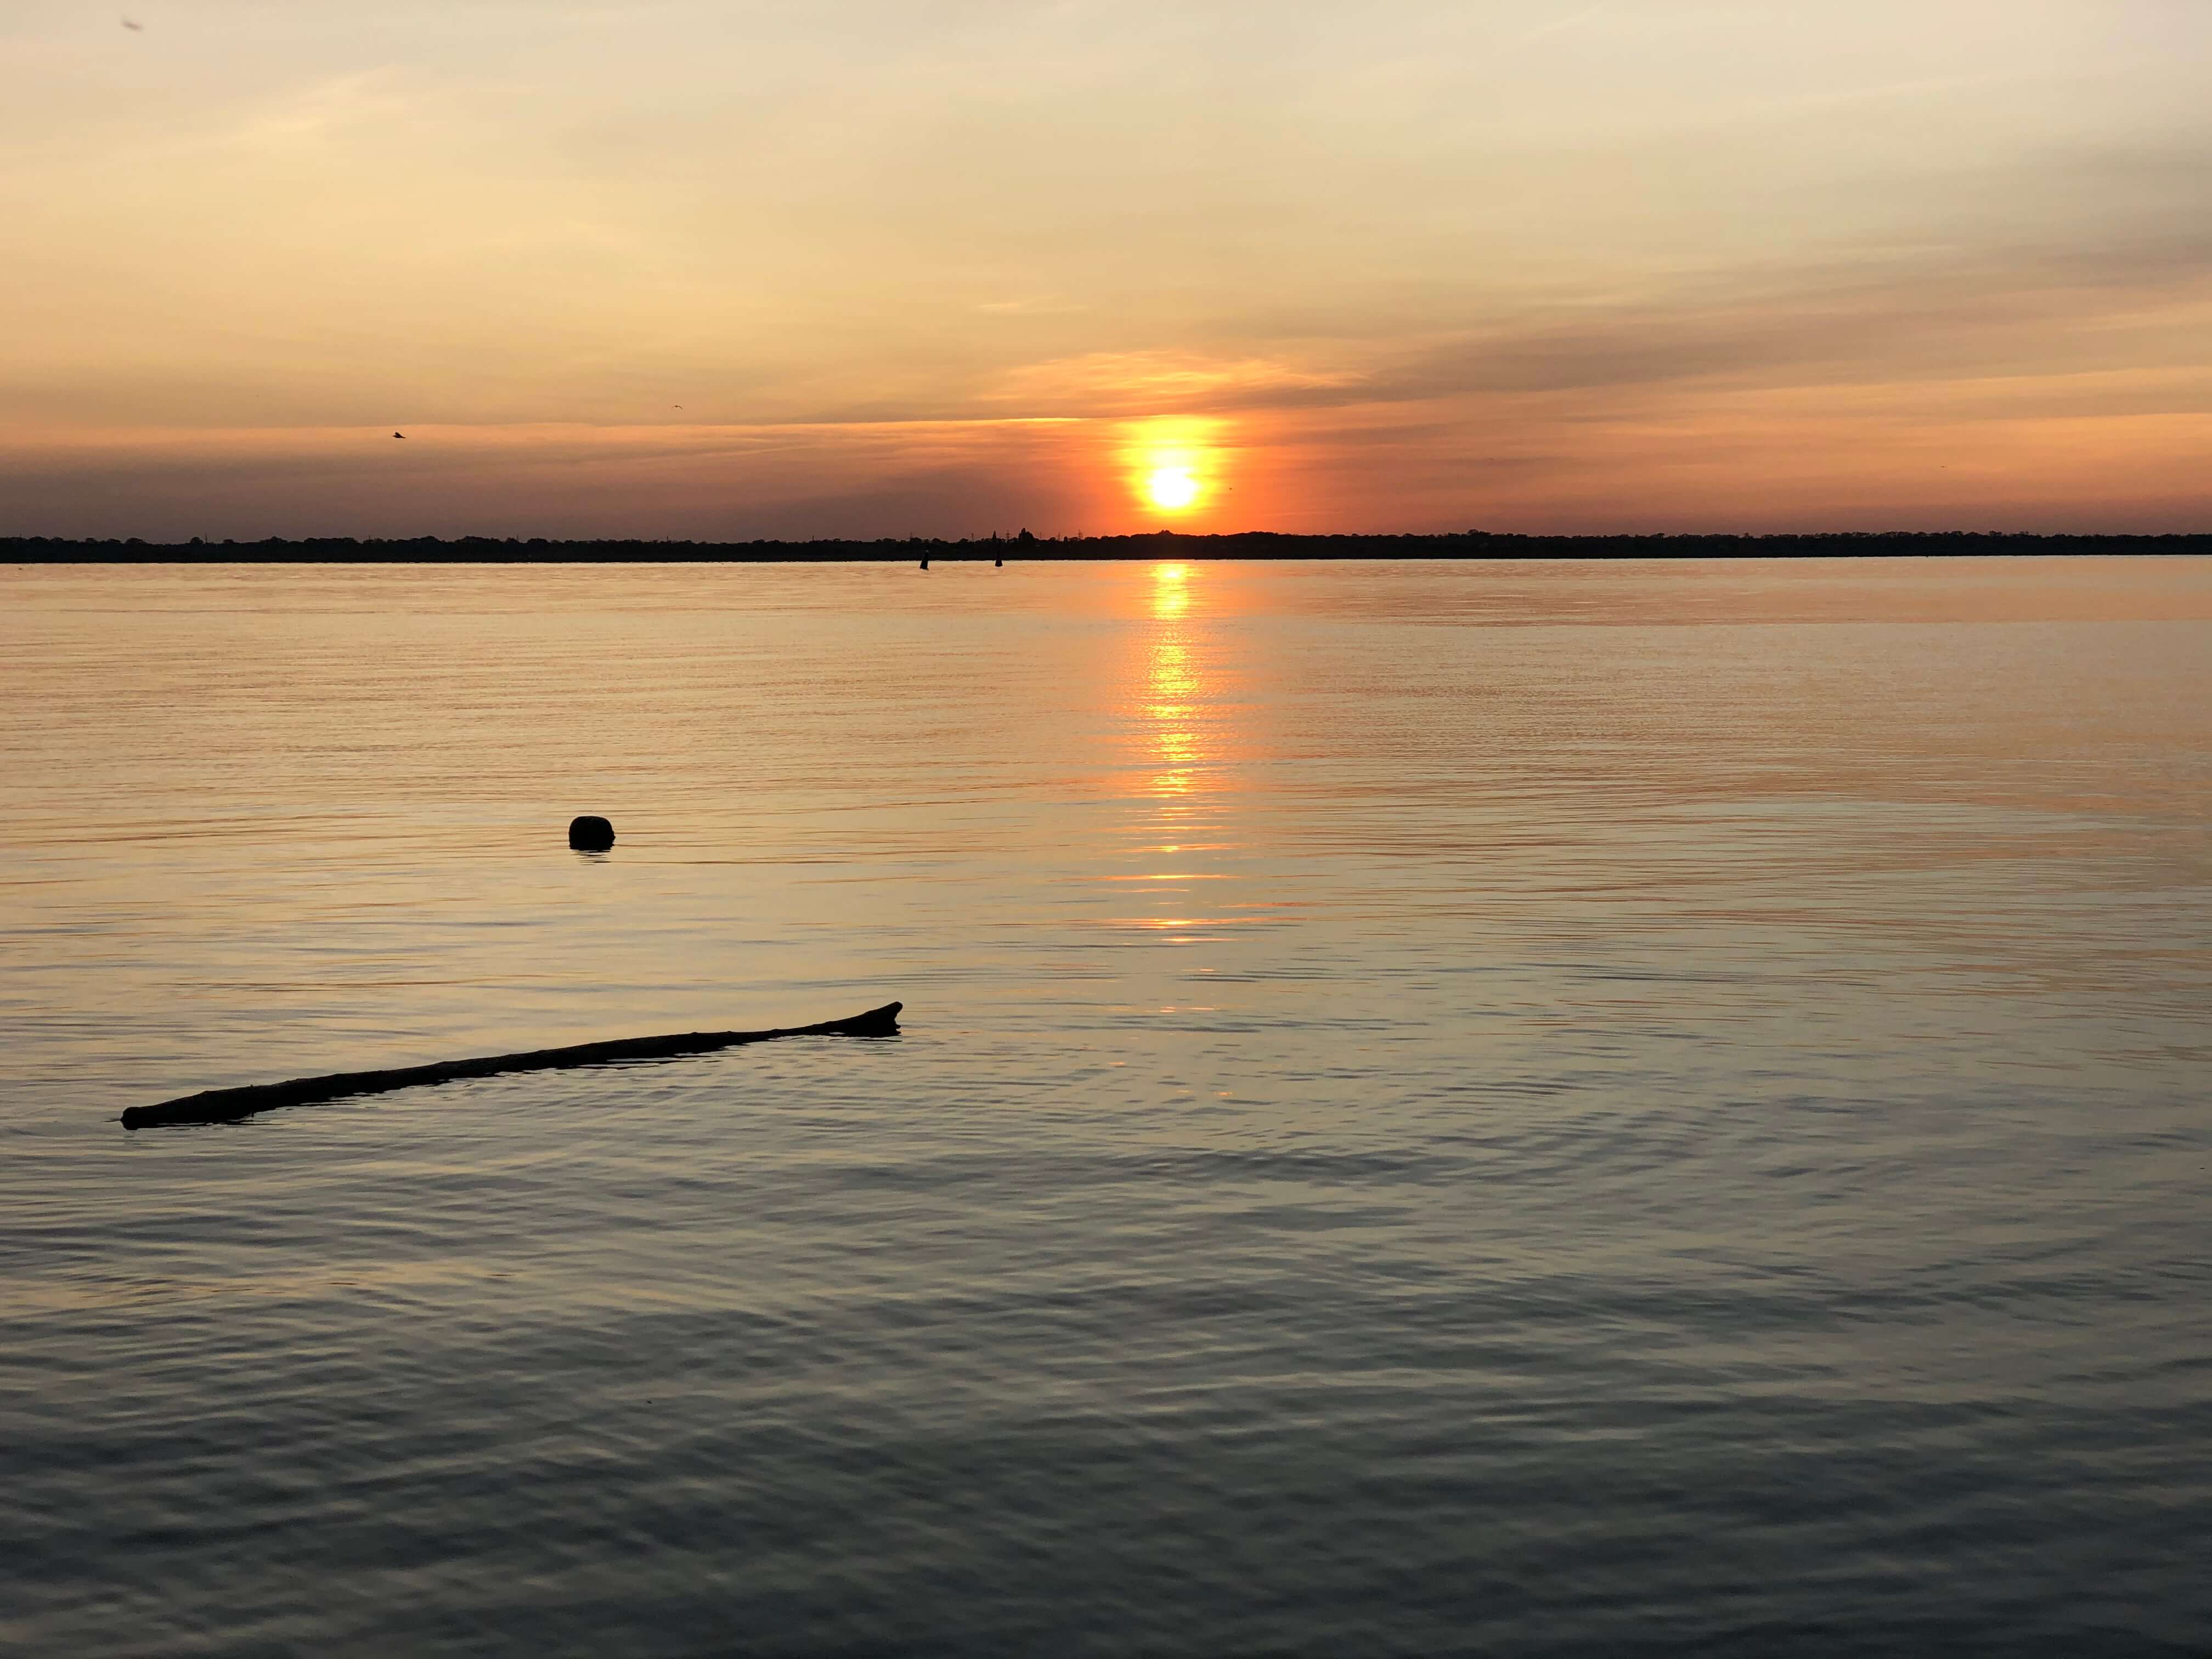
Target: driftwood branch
(228, 1105)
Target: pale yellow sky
(856, 268)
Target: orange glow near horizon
(1018, 279)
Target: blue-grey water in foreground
(1445, 1109)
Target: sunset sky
(892, 267)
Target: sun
(1174, 466)
(1172, 488)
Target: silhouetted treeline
(1251, 545)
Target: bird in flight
(398, 435)
(136, 28)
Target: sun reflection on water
(1170, 591)
(1173, 686)
(1176, 726)
(1182, 869)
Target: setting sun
(1171, 486)
(1174, 465)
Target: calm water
(1533, 1109)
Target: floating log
(228, 1105)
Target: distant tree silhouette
(1248, 544)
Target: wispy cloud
(1574, 17)
(1115, 383)
(1040, 305)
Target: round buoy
(591, 835)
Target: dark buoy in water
(591, 835)
(998, 564)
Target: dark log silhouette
(228, 1105)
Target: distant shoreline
(1251, 545)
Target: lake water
(1618, 1109)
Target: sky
(799, 268)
